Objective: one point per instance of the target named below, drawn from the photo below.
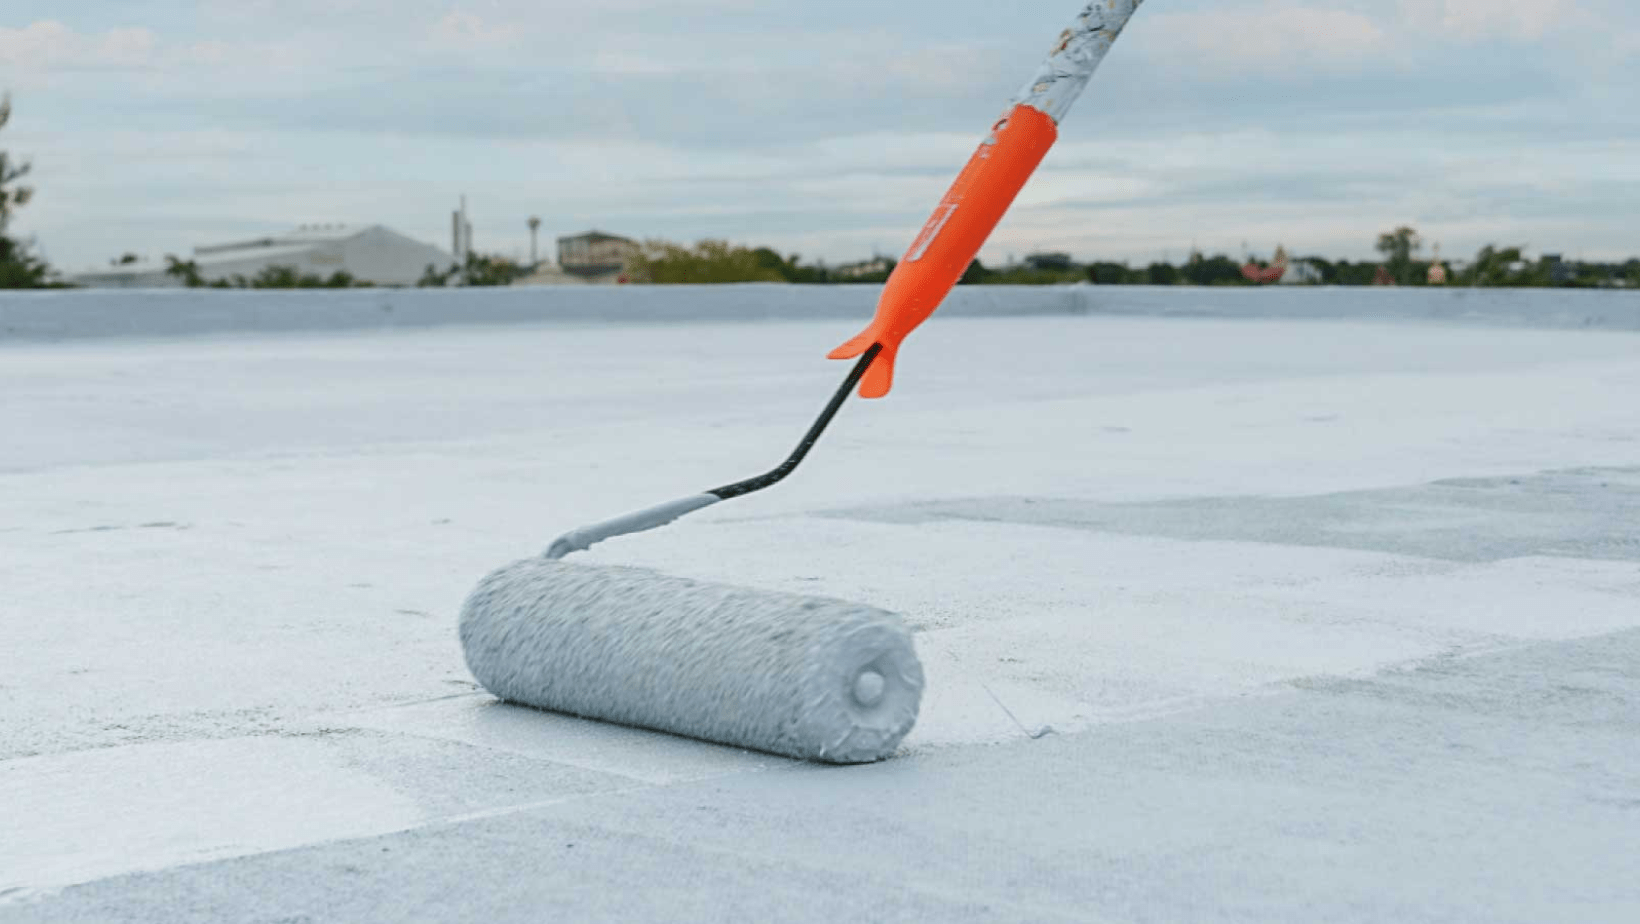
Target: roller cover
(807, 677)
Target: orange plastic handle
(952, 238)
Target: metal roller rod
(578, 540)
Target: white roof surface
(1329, 620)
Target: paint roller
(807, 677)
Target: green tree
(476, 270)
(1217, 270)
(19, 267)
(185, 270)
(1107, 274)
(664, 262)
(1496, 266)
(1346, 273)
(432, 277)
(1162, 274)
(769, 258)
(282, 277)
(342, 279)
(790, 267)
(1399, 247)
(975, 274)
(1024, 274)
(1329, 271)
(289, 277)
(490, 270)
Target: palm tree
(535, 225)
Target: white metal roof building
(368, 253)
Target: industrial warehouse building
(368, 253)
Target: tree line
(718, 261)
(1401, 264)
(269, 277)
(714, 260)
(477, 270)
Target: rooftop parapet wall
(80, 314)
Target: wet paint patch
(1586, 513)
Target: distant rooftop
(268, 248)
(595, 237)
(302, 235)
(369, 252)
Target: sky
(827, 130)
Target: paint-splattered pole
(974, 204)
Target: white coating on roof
(1330, 619)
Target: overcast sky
(828, 129)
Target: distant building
(1560, 272)
(461, 233)
(1265, 275)
(1302, 273)
(127, 274)
(1437, 270)
(596, 257)
(1048, 261)
(548, 273)
(368, 253)
(871, 267)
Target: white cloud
(48, 55)
(1477, 20)
(1269, 37)
(50, 45)
(463, 31)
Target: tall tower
(461, 232)
(535, 225)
